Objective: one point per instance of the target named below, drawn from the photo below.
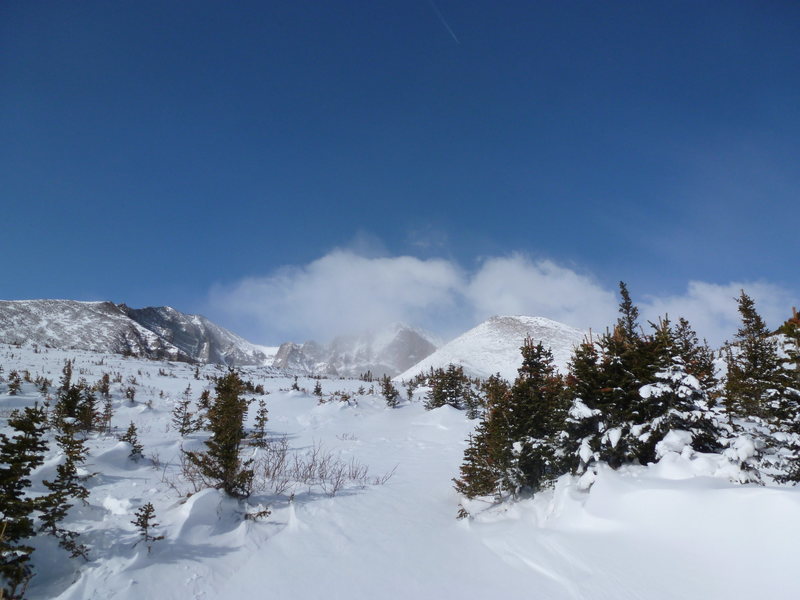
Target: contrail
(441, 18)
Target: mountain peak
(493, 346)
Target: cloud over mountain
(346, 291)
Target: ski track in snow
(666, 532)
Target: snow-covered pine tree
(698, 358)
(221, 464)
(675, 406)
(452, 387)
(260, 432)
(587, 417)
(87, 416)
(103, 386)
(537, 418)
(754, 366)
(67, 486)
(389, 392)
(791, 346)
(761, 398)
(14, 383)
(605, 379)
(69, 398)
(182, 418)
(131, 436)
(145, 522)
(19, 455)
(107, 414)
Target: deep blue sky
(152, 149)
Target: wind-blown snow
(493, 347)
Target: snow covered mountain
(69, 324)
(197, 336)
(493, 346)
(156, 332)
(389, 352)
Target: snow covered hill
(677, 530)
(389, 352)
(154, 332)
(493, 346)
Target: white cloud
(515, 285)
(349, 291)
(343, 292)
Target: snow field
(675, 530)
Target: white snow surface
(676, 530)
(494, 347)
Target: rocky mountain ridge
(387, 352)
(153, 332)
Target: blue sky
(167, 152)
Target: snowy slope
(389, 351)
(96, 326)
(671, 531)
(493, 346)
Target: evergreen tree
(317, 389)
(602, 420)
(389, 392)
(14, 383)
(204, 403)
(488, 456)
(145, 522)
(19, 455)
(87, 414)
(789, 411)
(260, 431)
(103, 386)
(107, 414)
(131, 436)
(68, 401)
(221, 463)
(697, 358)
(518, 447)
(755, 376)
(452, 387)
(538, 410)
(675, 403)
(586, 421)
(67, 486)
(66, 377)
(182, 418)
